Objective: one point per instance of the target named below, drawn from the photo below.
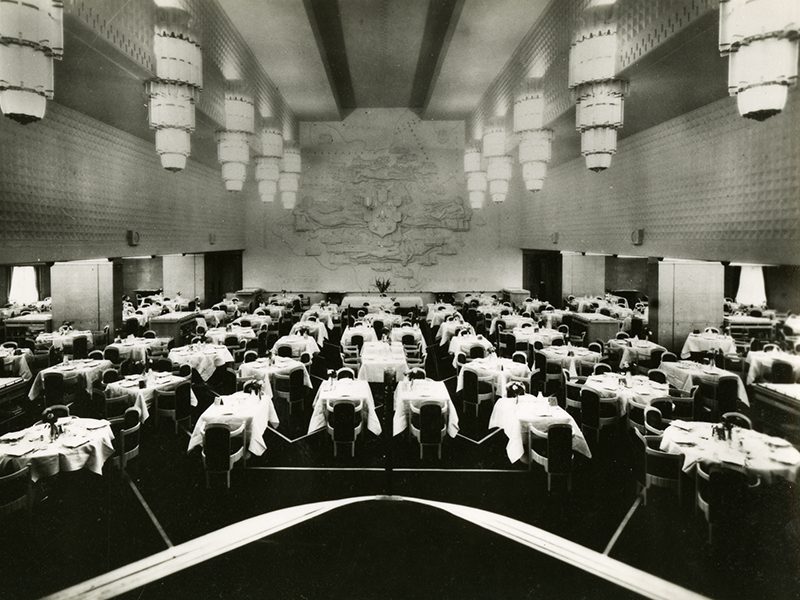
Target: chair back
(595, 347)
(112, 354)
(162, 365)
(558, 342)
(250, 356)
(737, 419)
(345, 373)
(477, 351)
(217, 447)
(782, 372)
(590, 408)
(559, 448)
(664, 406)
(358, 341)
(657, 376)
(344, 422)
(431, 423)
(727, 393)
(59, 411)
(520, 357)
(408, 339)
(53, 388)
(149, 334)
(80, 347)
(727, 495)
(15, 486)
(639, 452)
(600, 368)
(183, 400)
(284, 351)
(669, 357)
(417, 373)
(653, 421)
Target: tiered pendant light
(599, 95)
(498, 163)
(233, 142)
(179, 79)
(476, 176)
(268, 163)
(760, 38)
(535, 141)
(31, 36)
(289, 182)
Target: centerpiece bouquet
(382, 284)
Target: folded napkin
(682, 425)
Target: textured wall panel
(71, 186)
(643, 25)
(708, 184)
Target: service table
(499, 369)
(142, 397)
(769, 457)
(626, 388)
(84, 444)
(760, 364)
(686, 373)
(204, 358)
(17, 358)
(298, 343)
(389, 319)
(356, 391)
(255, 411)
(378, 357)
(139, 348)
(75, 372)
(708, 342)
(418, 391)
(748, 322)
(515, 416)
(37, 321)
(597, 326)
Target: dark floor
(83, 525)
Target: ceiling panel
(282, 40)
(486, 35)
(382, 39)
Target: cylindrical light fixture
(268, 163)
(535, 141)
(760, 38)
(494, 138)
(291, 167)
(498, 172)
(598, 93)
(31, 37)
(233, 142)
(477, 183)
(173, 93)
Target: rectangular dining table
(626, 388)
(708, 342)
(140, 348)
(142, 397)
(204, 358)
(418, 391)
(686, 373)
(344, 390)
(759, 364)
(499, 369)
(76, 372)
(378, 357)
(264, 369)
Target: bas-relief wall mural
(381, 190)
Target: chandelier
(233, 142)
(268, 163)
(598, 94)
(289, 182)
(476, 176)
(31, 36)
(535, 141)
(760, 38)
(498, 163)
(173, 93)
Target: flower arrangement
(252, 387)
(382, 284)
(49, 418)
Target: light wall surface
(82, 292)
(382, 195)
(71, 187)
(706, 185)
(184, 274)
(583, 275)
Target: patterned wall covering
(707, 185)
(544, 52)
(128, 25)
(382, 195)
(70, 188)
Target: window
(751, 286)
(23, 286)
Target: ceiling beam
(439, 27)
(326, 22)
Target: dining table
(256, 411)
(76, 373)
(141, 389)
(365, 331)
(84, 444)
(62, 340)
(683, 374)
(324, 316)
(15, 361)
(510, 321)
(355, 391)
(30, 322)
(626, 388)
(218, 335)
(759, 364)
(597, 326)
(529, 335)
(771, 458)
(533, 305)
(438, 312)
(140, 348)
(298, 343)
(379, 357)
(448, 329)
(265, 368)
(256, 321)
(202, 357)
(632, 350)
(397, 334)
(422, 391)
(374, 303)
(313, 328)
(515, 416)
(389, 319)
(570, 357)
(708, 342)
(462, 343)
(499, 369)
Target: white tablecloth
(561, 356)
(462, 343)
(515, 415)
(625, 389)
(256, 321)
(422, 390)
(511, 321)
(685, 373)
(298, 343)
(265, 369)
(353, 390)
(324, 316)
(314, 328)
(85, 444)
(217, 335)
(449, 328)
(255, 411)
(437, 313)
(760, 364)
(137, 348)
(708, 342)
(768, 457)
(633, 350)
(60, 340)
(86, 371)
(18, 362)
(365, 331)
(204, 358)
(142, 398)
(536, 334)
(500, 369)
(377, 357)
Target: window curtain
(23, 286)
(5, 284)
(43, 281)
(751, 286)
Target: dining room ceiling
(436, 57)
